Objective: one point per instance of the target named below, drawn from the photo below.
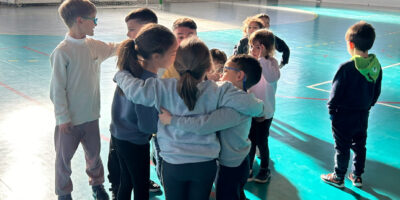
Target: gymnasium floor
(301, 142)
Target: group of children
(185, 112)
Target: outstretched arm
(217, 120)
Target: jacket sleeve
(270, 69)
(58, 86)
(209, 123)
(377, 89)
(337, 88)
(137, 90)
(243, 102)
(282, 47)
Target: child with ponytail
(133, 124)
(183, 151)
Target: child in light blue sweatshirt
(243, 71)
(182, 151)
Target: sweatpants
(134, 161)
(188, 181)
(350, 132)
(113, 166)
(258, 136)
(66, 144)
(231, 181)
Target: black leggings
(188, 181)
(135, 169)
(258, 136)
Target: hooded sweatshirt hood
(369, 67)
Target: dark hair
(152, 38)
(69, 10)
(143, 15)
(362, 35)
(266, 38)
(184, 22)
(192, 61)
(250, 66)
(218, 56)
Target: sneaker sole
(357, 185)
(250, 179)
(333, 184)
(154, 190)
(262, 181)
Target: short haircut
(69, 10)
(249, 20)
(262, 15)
(143, 15)
(266, 38)
(251, 68)
(184, 22)
(362, 35)
(218, 56)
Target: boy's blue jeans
(350, 132)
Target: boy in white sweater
(75, 93)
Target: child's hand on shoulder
(165, 116)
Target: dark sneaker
(154, 187)
(65, 197)
(99, 193)
(357, 181)
(263, 176)
(251, 178)
(332, 179)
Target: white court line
(326, 82)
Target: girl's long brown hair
(192, 62)
(152, 38)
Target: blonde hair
(248, 21)
(69, 10)
(192, 61)
(266, 38)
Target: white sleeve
(58, 86)
(270, 69)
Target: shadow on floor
(378, 175)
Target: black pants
(258, 136)
(350, 132)
(113, 166)
(135, 169)
(231, 181)
(188, 181)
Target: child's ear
(79, 20)
(240, 76)
(351, 45)
(156, 56)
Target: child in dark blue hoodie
(355, 89)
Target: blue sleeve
(137, 90)
(217, 120)
(147, 118)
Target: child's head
(79, 13)
(251, 24)
(242, 70)
(218, 60)
(155, 45)
(265, 18)
(192, 62)
(138, 18)
(360, 36)
(184, 28)
(262, 44)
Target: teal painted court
(301, 142)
